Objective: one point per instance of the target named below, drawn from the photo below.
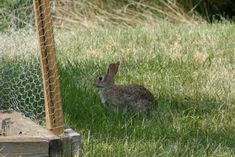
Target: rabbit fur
(131, 96)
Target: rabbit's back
(132, 96)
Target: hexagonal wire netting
(21, 86)
(20, 75)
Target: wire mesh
(21, 74)
(54, 119)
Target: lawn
(188, 68)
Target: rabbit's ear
(112, 70)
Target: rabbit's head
(107, 80)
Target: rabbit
(122, 97)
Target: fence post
(53, 107)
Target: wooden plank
(55, 148)
(20, 125)
(4, 126)
(76, 146)
(33, 136)
(67, 146)
(53, 107)
(19, 139)
(24, 147)
(27, 146)
(34, 140)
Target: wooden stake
(53, 107)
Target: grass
(188, 66)
(131, 13)
(190, 70)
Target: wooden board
(23, 146)
(25, 138)
(73, 140)
(22, 126)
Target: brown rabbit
(132, 96)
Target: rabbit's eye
(100, 78)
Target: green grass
(190, 70)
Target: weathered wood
(27, 146)
(67, 146)
(55, 148)
(20, 125)
(53, 107)
(25, 138)
(76, 146)
(4, 126)
(23, 147)
(36, 139)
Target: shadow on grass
(176, 116)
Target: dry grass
(21, 44)
(87, 13)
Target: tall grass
(190, 70)
(88, 13)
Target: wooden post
(53, 107)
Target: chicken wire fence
(28, 72)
